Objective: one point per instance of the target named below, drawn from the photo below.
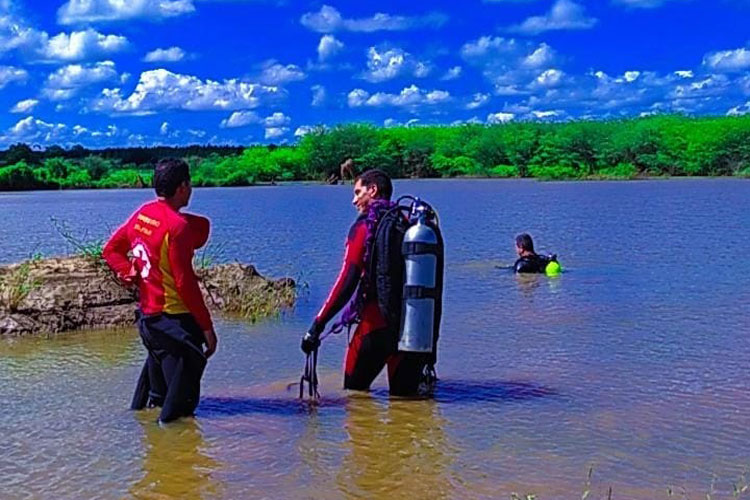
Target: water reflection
(397, 448)
(176, 463)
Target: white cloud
(172, 54)
(275, 132)
(478, 100)
(10, 74)
(495, 118)
(452, 74)
(159, 90)
(80, 45)
(25, 106)
(550, 78)
(30, 129)
(728, 60)
(391, 63)
(319, 95)
(93, 11)
(564, 15)
(278, 74)
(77, 75)
(541, 57)
(409, 97)
(328, 47)
(631, 76)
(240, 119)
(357, 98)
(743, 109)
(66, 81)
(543, 115)
(303, 130)
(684, 73)
(276, 120)
(164, 129)
(329, 20)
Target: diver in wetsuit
(528, 260)
(374, 344)
(154, 250)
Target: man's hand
(211, 341)
(310, 342)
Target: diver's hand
(211, 342)
(310, 342)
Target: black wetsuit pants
(172, 373)
(369, 352)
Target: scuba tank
(422, 251)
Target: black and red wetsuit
(373, 344)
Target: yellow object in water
(553, 268)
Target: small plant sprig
(90, 249)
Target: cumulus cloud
(276, 120)
(164, 129)
(303, 130)
(25, 106)
(275, 132)
(728, 60)
(550, 78)
(740, 110)
(30, 129)
(478, 100)
(68, 80)
(330, 20)
(328, 47)
(94, 11)
(278, 74)
(159, 90)
(564, 15)
(452, 74)
(388, 64)
(80, 45)
(319, 95)
(10, 74)
(510, 64)
(496, 118)
(240, 119)
(542, 57)
(172, 54)
(409, 97)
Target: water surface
(633, 362)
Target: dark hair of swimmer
(169, 174)
(524, 242)
(378, 178)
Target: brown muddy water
(634, 362)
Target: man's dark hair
(169, 173)
(378, 178)
(524, 242)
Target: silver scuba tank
(419, 250)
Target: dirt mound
(75, 293)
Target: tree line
(616, 149)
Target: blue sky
(143, 72)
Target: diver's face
(363, 196)
(519, 250)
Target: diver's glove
(311, 339)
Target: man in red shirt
(154, 249)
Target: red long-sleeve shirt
(158, 244)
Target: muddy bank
(74, 293)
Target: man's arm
(348, 278)
(181, 262)
(115, 253)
